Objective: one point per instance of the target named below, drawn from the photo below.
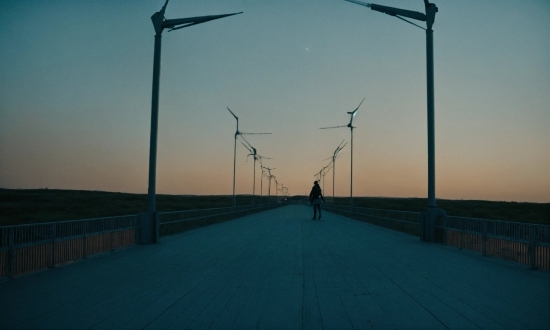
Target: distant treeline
(20, 206)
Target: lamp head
(431, 9)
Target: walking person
(316, 198)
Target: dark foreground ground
(280, 270)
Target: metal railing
(523, 243)
(176, 222)
(32, 247)
(404, 221)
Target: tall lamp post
(160, 23)
(428, 17)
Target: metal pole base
(432, 218)
(149, 232)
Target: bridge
(279, 269)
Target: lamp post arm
(394, 11)
(398, 12)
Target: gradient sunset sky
(76, 79)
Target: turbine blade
(180, 23)
(242, 137)
(232, 113)
(246, 148)
(255, 133)
(164, 7)
(359, 3)
(333, 127)
(360, 104)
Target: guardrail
(179, 221)
(524, 243)
(32, 247)
(404, 221)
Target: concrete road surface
(280, 270)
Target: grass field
(511, 211)
(20, 206)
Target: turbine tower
(254, 154)
(237, 133)
(262, 177)
(333, 157)
(269, 185)
(351, 127)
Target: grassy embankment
(19, 206)
(538, 213)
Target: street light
(351, 127)
(429, 17)
(160, 23)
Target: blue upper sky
(75, 96)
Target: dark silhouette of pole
(351, 171)
(269, 184)
(431, 107)
(351, 127)
(254, 154)
(237, 133)
(235, 155)
(431, 9)
(160, 23)
(334, 155)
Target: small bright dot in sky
(307, 48)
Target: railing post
(113, 232)
(484, 237)
(532, 247)
(85, 240)
(149, 232)
(11, 252)
(53, 245)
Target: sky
(76, 81)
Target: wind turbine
(351, 127)
(269, 186)
(160, 23)
(336, 151)
(237, 133)
(326, 169)
(255, 155)
(261, 177)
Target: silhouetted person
(316, 197)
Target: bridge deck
(280, 270)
